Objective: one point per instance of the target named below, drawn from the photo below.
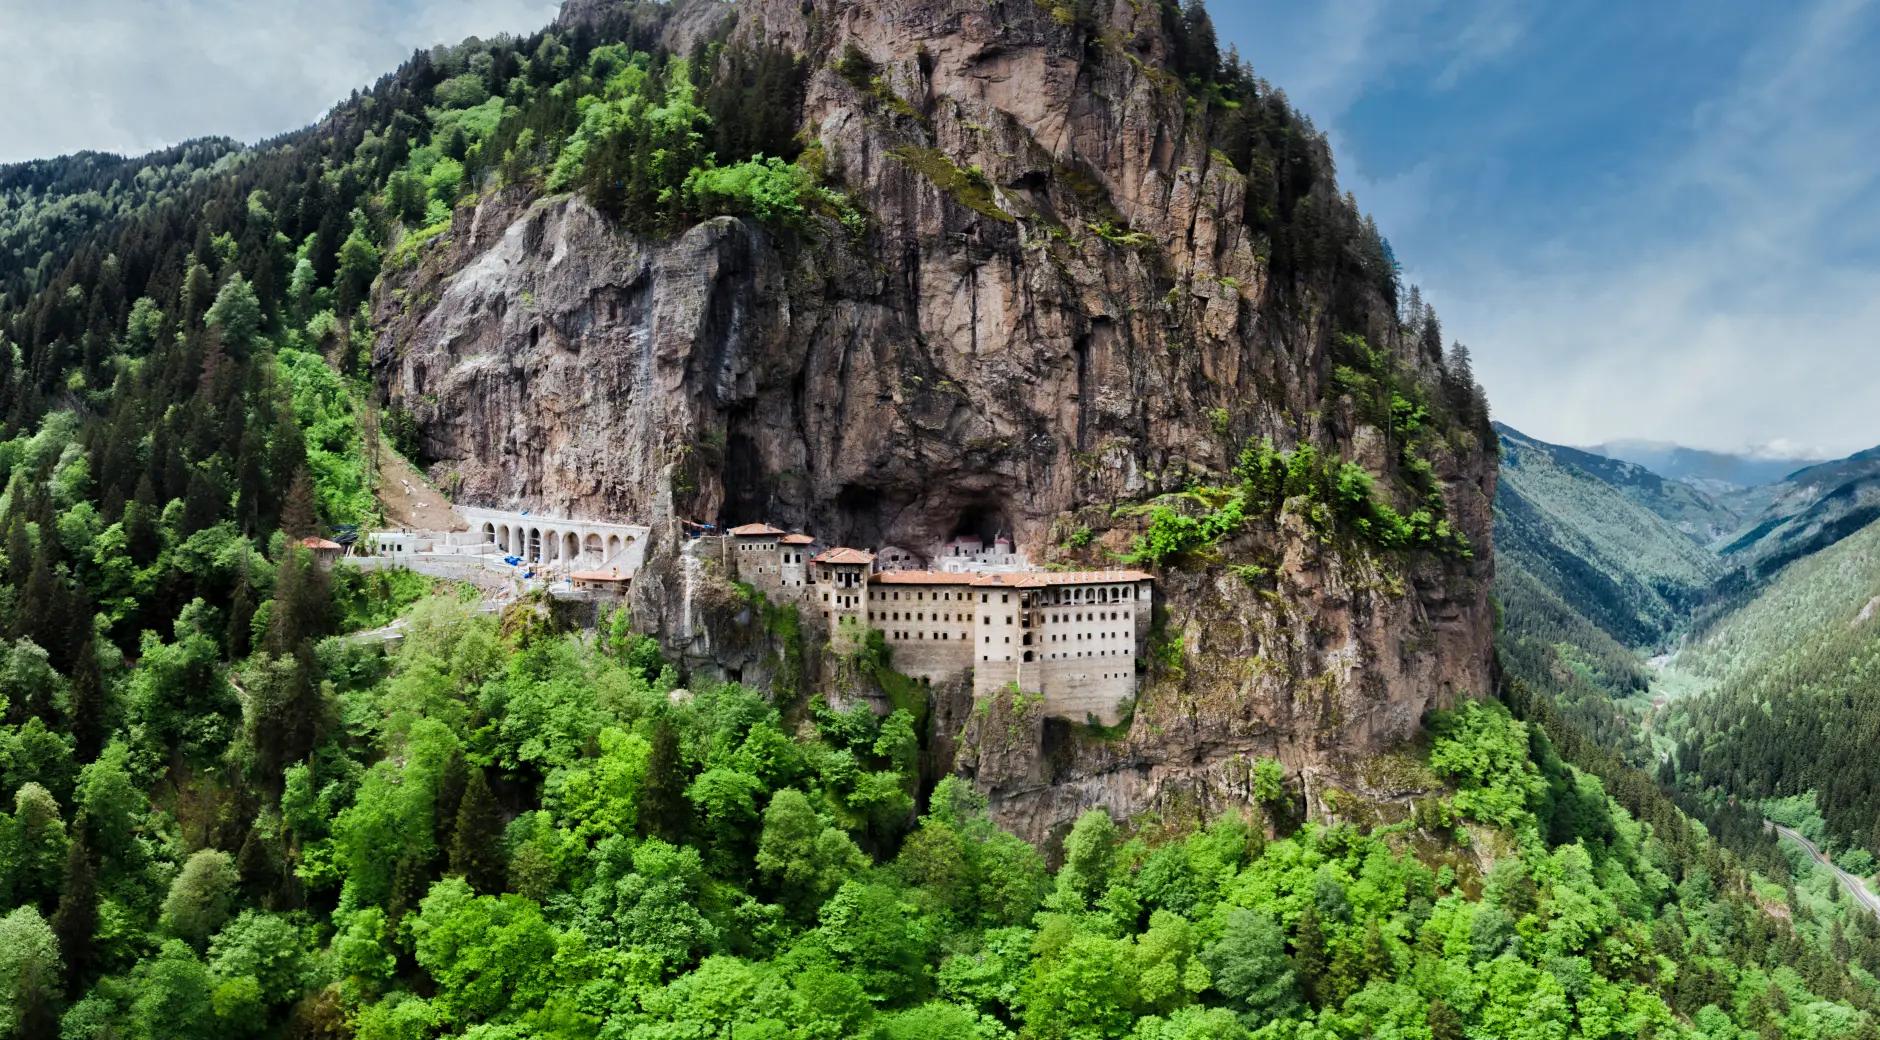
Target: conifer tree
(663, 811)
(298, 516)
(89, 726)
(76, 920)
(1309, 958)
(476, 850)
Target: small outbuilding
(326, 552)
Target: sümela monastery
(1073, 638)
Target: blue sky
(1653, 219)
(1646, 219)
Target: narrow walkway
(1853, 884)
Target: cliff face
(1058, 308)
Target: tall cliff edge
(1064, 305)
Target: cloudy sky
(1648, 220)
(133, 75)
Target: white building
(1076, 638)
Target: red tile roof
(797, 539)
(923, 578)
(1037, 579)
(315, 542)
(1014, 580)
(843, 555)
(752, 530)
(612, 574)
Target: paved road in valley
(1849, 881)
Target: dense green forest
(1794, 675)
(221, 816)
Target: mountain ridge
(1673, 461)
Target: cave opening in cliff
(982, 520)
(748, 497)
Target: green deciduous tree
(236, 315)
(30, 974)
(486, 953)
(1250, 968)
(202, 896)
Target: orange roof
(845, 556)
(316, 542)
(923, 578)
(797, 539)
(754, 530)
(1038, 579)
(612, 574)
(1015, 580)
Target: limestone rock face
(1057, 309)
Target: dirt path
(1853, 884)
(410, 501)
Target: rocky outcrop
(1057, 308)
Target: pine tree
(88, 723)
(298, 517)
(1459, 387)
(476, 850)
(1309, 959)
(241, 614)
(257, 863)
(141, 537)
(663, 808)
(75, 922)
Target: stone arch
(489, 531)
(570, 546)
(613, 546)
(534, 555)
(592, 547)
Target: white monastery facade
(1074, 637)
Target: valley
(1754, 685)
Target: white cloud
(132, 75)
(1723, 295)
(1760, 325)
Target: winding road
(1850, 882)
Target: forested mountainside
(1794, 675)
(889, 269)
(1592, 573)
(1595, 533)
(1806, 512)
(1684, 504)
(1762, 710)
(47, 207)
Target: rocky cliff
(1064, 302)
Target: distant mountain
(1703, 513)
(1712, 470)
(1609, 538)
(1810, 510)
